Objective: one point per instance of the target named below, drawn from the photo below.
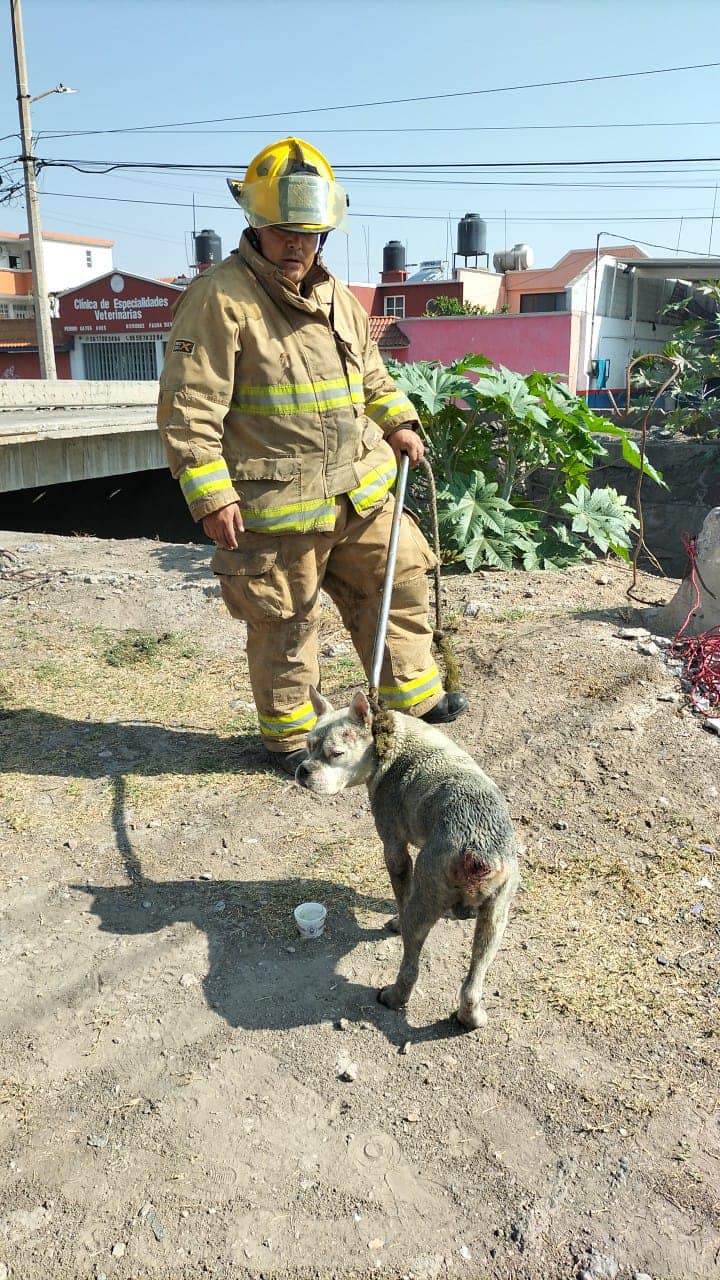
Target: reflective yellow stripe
(275, 410)
(376, 484)
(198, 482)
(287, 398)
(384, 408)
(401, 696)
(283, 726)
(291, 388)
(299, 517)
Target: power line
(161, 131)
(381, 166)
(393, 102)
(524, 216)
(510, 182)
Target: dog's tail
(477, 874)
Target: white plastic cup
(310, 919)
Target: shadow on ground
(43, 743)
(253, 982)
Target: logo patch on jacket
(184, 347)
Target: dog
(426, 791)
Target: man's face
(292, 251)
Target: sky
(630, 156)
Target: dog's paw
(472, 1017)
(393, 924)
(390, 997)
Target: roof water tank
(524, 257)
(394, 256)
(472, 235)
(519, 258)
(208, 249)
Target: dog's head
(341, 746)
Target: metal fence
(120, 360)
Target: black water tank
(472, 235)
(208, 248)
(394, 256)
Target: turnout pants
(273, 583)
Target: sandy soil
(175, 1099)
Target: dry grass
(618, 946)
(90, 703)
(164, 715)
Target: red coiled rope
(700, 655)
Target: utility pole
(43, 326)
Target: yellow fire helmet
(291, 184)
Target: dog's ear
(320, 705)
(360, 709)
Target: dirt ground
(189, 1089)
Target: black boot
(448, 708)
(288, 761)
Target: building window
(542, 302)
(395, 306)
(15, 262)
(23, 312)
(88, 257)
(4, 311)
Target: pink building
(522, 343)
(583, 318)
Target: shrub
(489, 430)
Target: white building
(69, 260)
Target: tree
(443, 305)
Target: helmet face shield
(312, 203)
(285, 187)
(301, 200)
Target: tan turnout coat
(275, 400)
(281, 402)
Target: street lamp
(60, 88)
(43, 325)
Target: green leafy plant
(603, 515)
(489, 431)
(696, 344)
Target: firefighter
(283, 427)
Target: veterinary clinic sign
(118, 304)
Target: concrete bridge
(56, 432)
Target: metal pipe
(381, 629)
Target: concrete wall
(30, 394)
(691, 468)
(366, 294)
(26, 365)
(481, 288)
(60, 432)
(522, 343)
(114, 449)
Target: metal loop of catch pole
(381, 629)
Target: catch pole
(381, 629)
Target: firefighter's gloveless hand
(405, 440)
(225, 526)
